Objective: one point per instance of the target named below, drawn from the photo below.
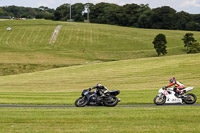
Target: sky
(190, 6)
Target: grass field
(118, 57)
(28, 43)
(98, 120)
(98, 41)
(63, 85)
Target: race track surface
(71, 106)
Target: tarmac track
(72, 106)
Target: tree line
(131, 15)
(27, 12)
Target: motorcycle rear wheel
(190, 98)
(111, 102)
(81, 102)
(158, 101)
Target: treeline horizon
(130, 15)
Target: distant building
(5, 17)
(70, 20)
(86, 21)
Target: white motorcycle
(168, 96)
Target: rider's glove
(90, 89)
(164, 87)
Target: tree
(182, 20)
(194, 48)
(62, 12)
(2, 12)
(160, 44)
(164, 18)
(192, 25)
(144, 21)
(196, 22)
(188, 40)
(132, 13)
(104, 13)
(77, 12)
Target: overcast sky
(190, 6)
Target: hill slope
(146, 73)
(26, 47)
(137, 79)
(98, 41)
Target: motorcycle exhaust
(119, 99)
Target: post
(70, 11)
(88, 15)
(87, 10)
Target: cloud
(189, 3)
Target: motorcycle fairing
(171, 98)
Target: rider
(100, 89)
(178, 86)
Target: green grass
(150, 119)
(28, 43)
(100, 42)
(134, 70)
(141, 76)
(18, 68)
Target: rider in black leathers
(101, 90)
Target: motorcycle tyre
(81, 105)
(193, 101)
(159, 103)
(112, 104)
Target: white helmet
(99, 84)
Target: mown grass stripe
(70, 34)
(62, 35)
(38, 32)
(2, 36)
(31, 33)
(44, 35)
(78, 34)
(9, 37)
(96, 30)
(15, 39)
(23, 35)
(91, 35)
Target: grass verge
(119, 119)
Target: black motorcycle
(95, 99)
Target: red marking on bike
(165, 93)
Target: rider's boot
(180, 94)
(103, 95)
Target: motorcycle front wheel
(111, 101)
(81, 102)
(159, 101)
(190, 98)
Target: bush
(194, 48)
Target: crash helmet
(172, 80)
(98, 84)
